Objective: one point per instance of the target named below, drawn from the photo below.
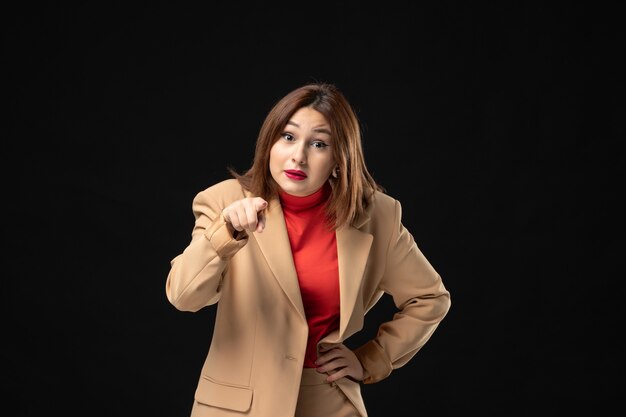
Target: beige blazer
(254, 363)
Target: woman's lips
(295, 175)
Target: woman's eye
(287, 136)
(319, 145)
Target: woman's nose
(299, 155)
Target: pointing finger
(259, 204)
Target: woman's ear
(335, 172)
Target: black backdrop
(497, 127)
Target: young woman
(294, 252)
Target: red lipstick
(295, 174)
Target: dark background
(498, 128)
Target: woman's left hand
(339, 361)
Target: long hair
(353, 188)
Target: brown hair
(354, 187)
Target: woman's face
(301, 160)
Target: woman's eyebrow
(321, 130)
(315, 129)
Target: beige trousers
(318, 398)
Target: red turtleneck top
(314, 249)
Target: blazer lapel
(353, 248)
(275, 246)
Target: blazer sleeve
(195, 275)
(421, 298)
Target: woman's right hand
(246, 214)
